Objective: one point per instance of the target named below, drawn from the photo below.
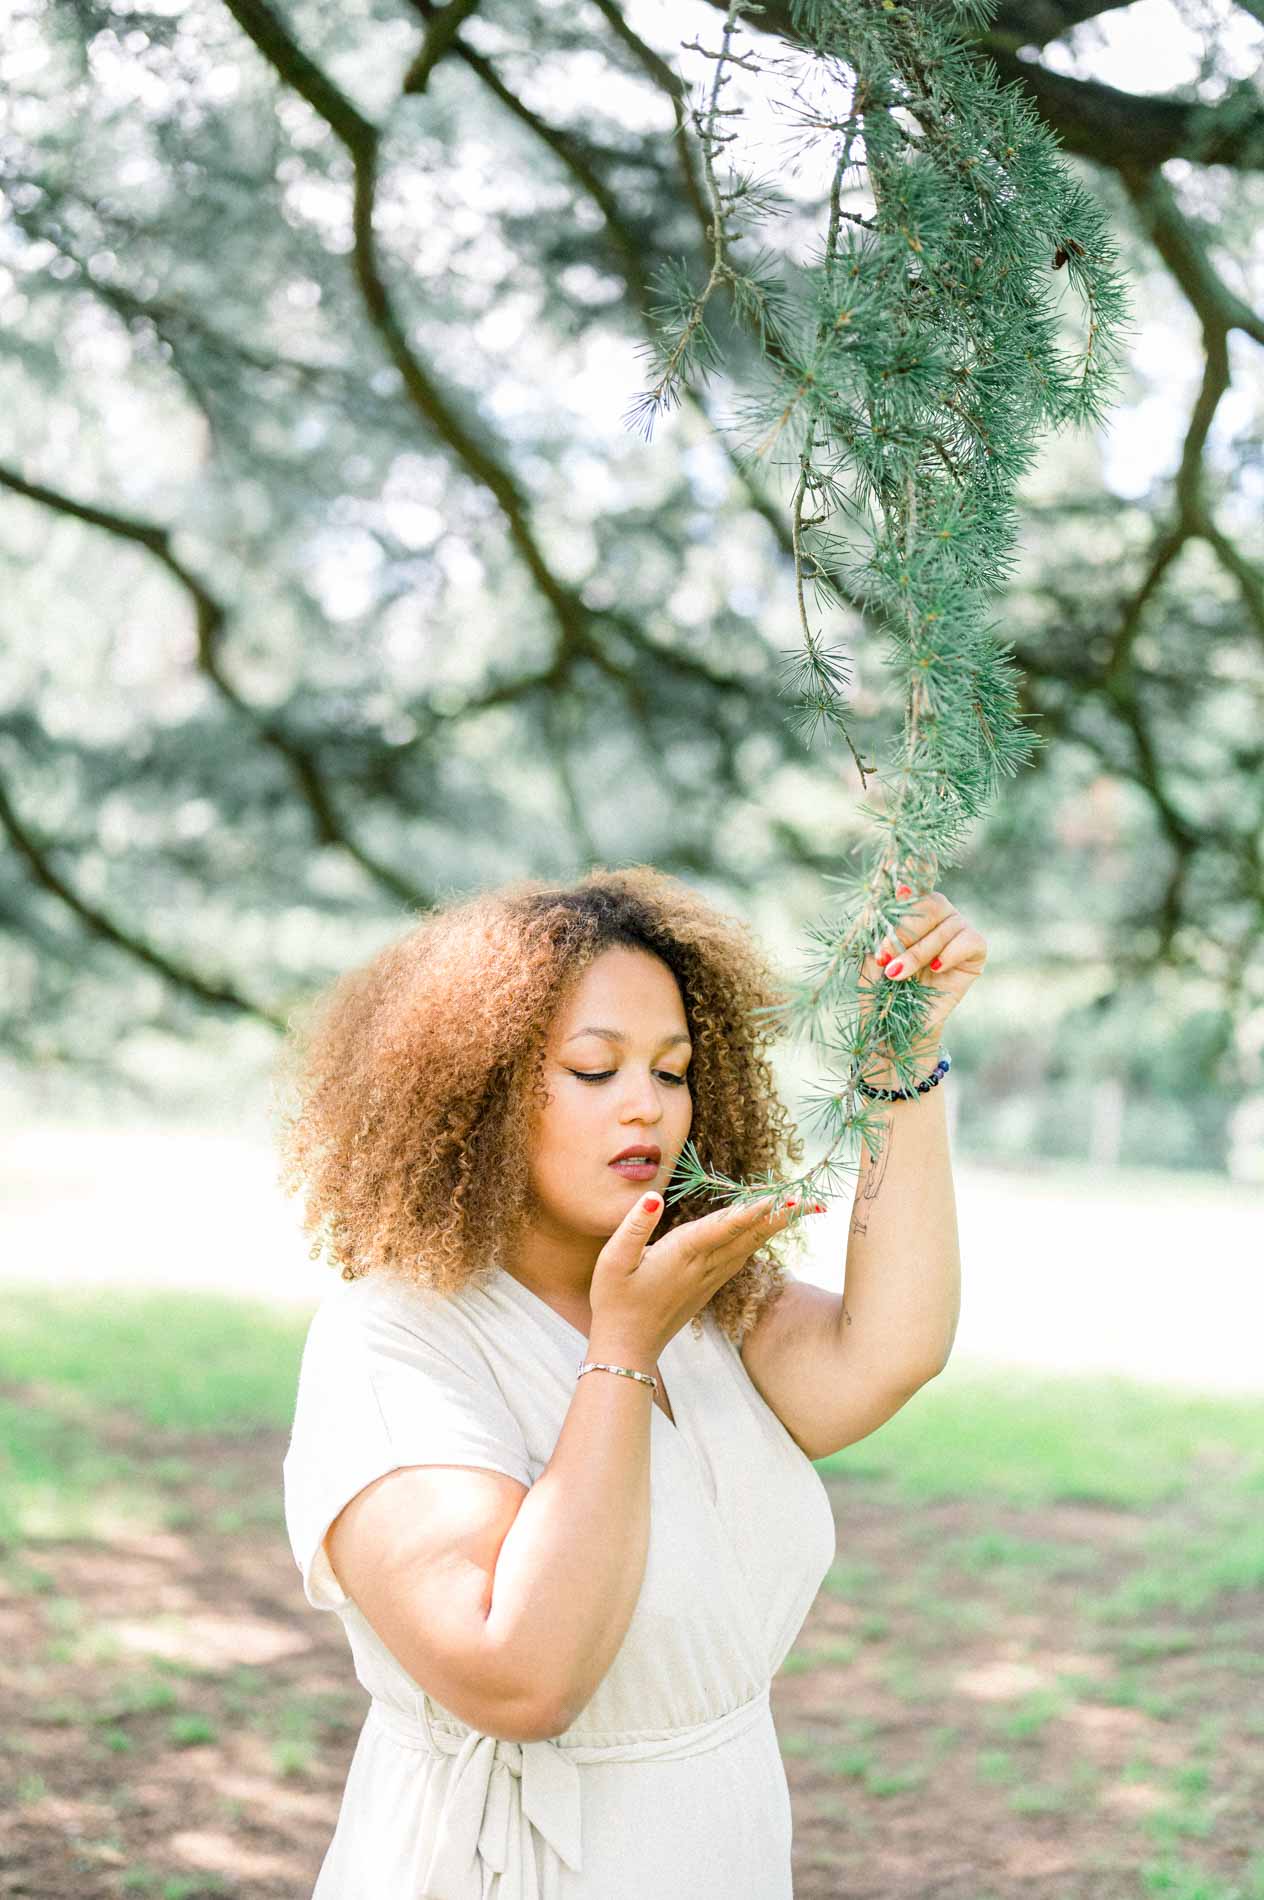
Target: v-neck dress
(669, 1784)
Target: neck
(556, 1262)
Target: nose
(644, 1101)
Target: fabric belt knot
(499, 1793)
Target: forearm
(570, 1569)
(902, 1287)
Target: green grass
(169, 1364)
(188, 1363)
(1037, 1438)
(181, 1362)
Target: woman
(571, 1538)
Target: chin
(598, 1215)
(614, 1204)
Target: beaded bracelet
(932, 1081)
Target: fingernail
(893, 969)
(935, 963)
(792, 1203)
(651, 1203)
(903, 890)
(818, 1207)
(884, 957)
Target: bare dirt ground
(956, 1720)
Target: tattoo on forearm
(870, 1183)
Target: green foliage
(908, 375)
(297, 640)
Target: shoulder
(390, 1320)
(390, 1361)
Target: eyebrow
(617, 1035)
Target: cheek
(565, 1128)
(575, 1123)
(572, 1104)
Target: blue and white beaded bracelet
(932, 1081)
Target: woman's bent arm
(570, 1568)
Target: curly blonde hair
(414, 1071)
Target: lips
(647, 1152)
(642, 1171)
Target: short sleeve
(374, 1393)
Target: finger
(723, 1224)
(927, 913)
(637, 1224)
(917, 947)
(938, 950)
(922, 950)
(737, 1241)
(737, 1218)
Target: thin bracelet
(595, 1365)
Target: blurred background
(336, 584)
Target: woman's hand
(642, 1294)
(935, 944)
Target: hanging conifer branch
(912, 368)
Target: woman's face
(622, 1025)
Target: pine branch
(910, 372)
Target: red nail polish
(902, 890)
(884, 957)
(935, 963)
(893, 969)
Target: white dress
(669, 1785)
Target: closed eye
(603, 1075)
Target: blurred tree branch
(602, 648)
(211, 617)
(1091, 119)
(24, 841)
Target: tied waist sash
(497, 1794)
